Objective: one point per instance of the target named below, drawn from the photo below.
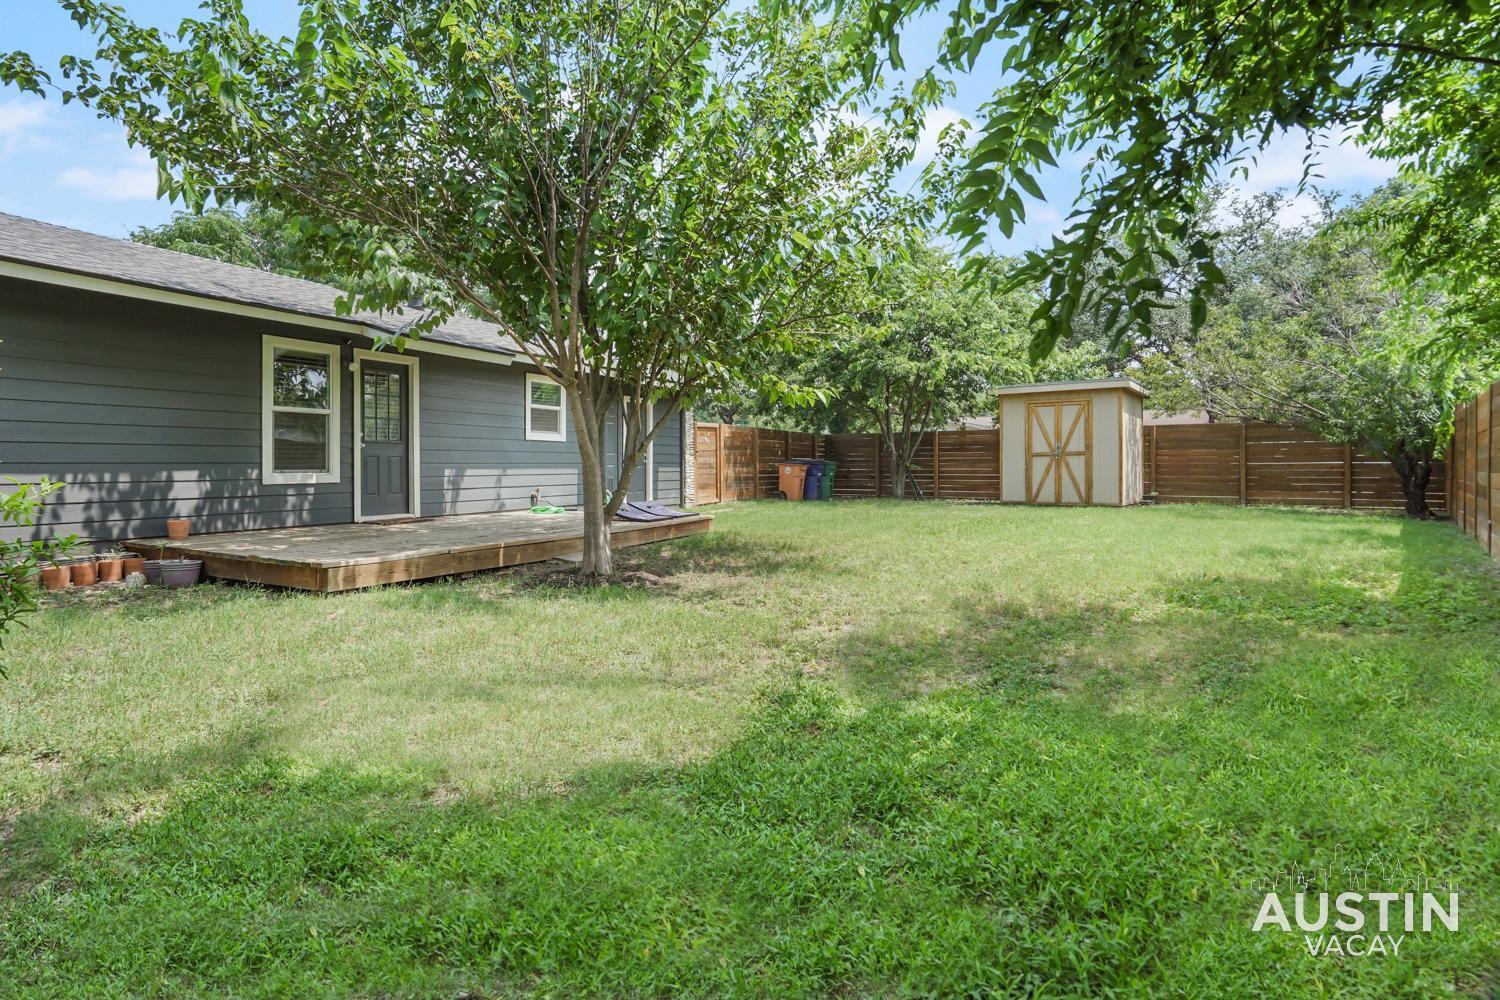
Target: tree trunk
(898, 473)
(598, 561)
(597, 558)
(1415, 472)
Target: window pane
(546, 394)
(382, 406)
(300, 379)
(546, 421)
(299, 442)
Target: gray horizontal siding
(667, 459)
(475, 456)
(144, 412)
(147, 412)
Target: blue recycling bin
(813, 487)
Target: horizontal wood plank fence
(1475, 452)
(1251, 463)
(1258, 463)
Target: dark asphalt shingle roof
(27, 241)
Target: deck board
(335, 557)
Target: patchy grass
(1039, 752)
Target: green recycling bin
(825, 485)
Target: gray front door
(385, 440)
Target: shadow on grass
(1196, 636)
(36, 843)
(956, 847)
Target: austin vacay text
(1358, 924)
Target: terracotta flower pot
(133, 564)
(181, 572)
(56, 577)
(85, 574)
(177, 528)
(110, 569)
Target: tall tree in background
(928, 350)
(266, 239)
(1163, 96)
(648, 196)
(1308, 331)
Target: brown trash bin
(789, 479)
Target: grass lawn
(855, 749)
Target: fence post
(1348, 476)
(1243, 498)
(878, 452)
(719, 460)
(937, 465)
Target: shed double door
(1059, 451)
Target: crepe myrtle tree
(646, 196)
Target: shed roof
(1080, 385)
(72, 251)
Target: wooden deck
(334, 557)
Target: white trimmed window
(545, 417)
(299, 411)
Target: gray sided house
(156, 384)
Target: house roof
(56, 248)
(1080, 385)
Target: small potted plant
(111, 566)
(56, 575)
(181, 572)
(177, 528)
(133, 562)
(85, 571)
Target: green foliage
(927, 351)
(19, 560)
(1448, 254)
(267, 239)
(1161, 98)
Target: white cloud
(1338, 162)
(933, 124)
(23, 124)
(132, 179)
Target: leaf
(1029, 183)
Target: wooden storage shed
(1072, 442)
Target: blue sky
(62, 165)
